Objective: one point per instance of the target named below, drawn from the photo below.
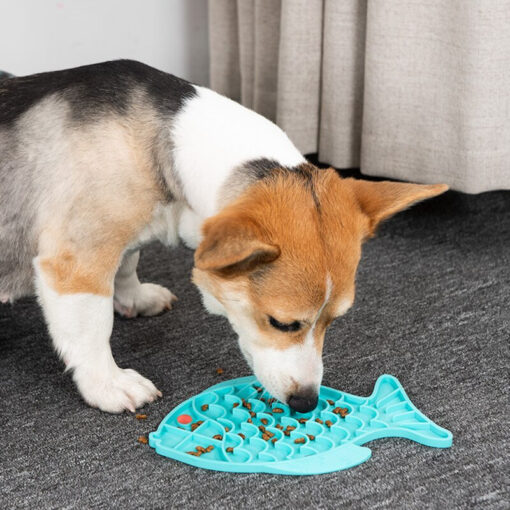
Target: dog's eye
(292, 326)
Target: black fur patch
(94, 89)
(306, 172)
(264, 168)
(261, 168)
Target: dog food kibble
(279, 427)
(249, 420)
(241, 435)
(141, 416)
(302, 420)
(252, 414)
(318, 420)
(300, 440)
(262, 428)
(227, 429)
(219, 437)
(329, 423)
(196, 425)
(342, 411)
(219, 371)
(330, 402)
(229, 449)
(311, 437)
(269, 433)
(143, 440)
(235, 405)
(205, 407)
(264, 421)
(266, 437)
(200, 450)
(271, 400)
(274, 440)
(288, 430)
(277, 410)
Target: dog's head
(280, 263)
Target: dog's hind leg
(132, 298)
(76, 294)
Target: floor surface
(432, 308)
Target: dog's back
(40, 115)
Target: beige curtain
(409, 89)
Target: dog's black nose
(304, 402)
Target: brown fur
(67, 274)
(296, 229)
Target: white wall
(43, 35)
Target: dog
(97, 161)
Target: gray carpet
(432, 308)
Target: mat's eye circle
(281, 326)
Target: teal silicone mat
(236, 426)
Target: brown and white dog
(99, 160)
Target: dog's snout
(304, 401)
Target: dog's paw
(149, 299)
(115, 392)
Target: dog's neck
(220, 148)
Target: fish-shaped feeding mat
(237, 426)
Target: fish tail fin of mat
(237, 426)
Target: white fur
(211, 304)
(190, 224)
(133, 298)
(343, 306)
(279, 370)
(212, 136)
(163, 227)
(80, 326)
(310, 337)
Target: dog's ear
(232, 245)
(380, 200)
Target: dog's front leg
(133, 298)
(78, 307)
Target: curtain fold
(413, 90)
(342, 82)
